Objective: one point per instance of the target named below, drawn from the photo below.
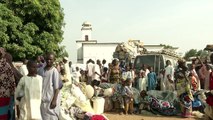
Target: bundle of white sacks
(74, 95)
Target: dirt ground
(116, 116)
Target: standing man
(169, 77)
(50, 104)
(67, 69)
(90, 71)
(70, 66)
(97, 70)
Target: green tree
(167, 46)
(191, 53)
(31, 27)
(61, 52)
(199, 52)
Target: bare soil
(116, 116)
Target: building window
(86, 37)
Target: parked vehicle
(156, 60)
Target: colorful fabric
(11, 108)
(4, 108)
(117, 96)
(7, 87)
(184, 93)
(186, 105)
(196, 103)
(114, 75)
(7, 80)
(128, 94)
(161, 106)
(98, 117)
(194, 83)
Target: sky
(186, 24)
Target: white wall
(79, 44)
(98, 51)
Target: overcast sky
(185, 24)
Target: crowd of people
(34, 89)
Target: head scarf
(6, 76)
(9, 60)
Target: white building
(99, 51)
(88, 48)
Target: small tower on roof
(86, 38)
(86, 31)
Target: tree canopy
(31, 27)
(195, 53)
(167, 46)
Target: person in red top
(193, 81)
(209, 108)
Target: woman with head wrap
(7, 86)
(17, 75)
(183, 89)
(114, 74)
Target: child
(193, 81)
(141, 82)
(104, 76)
(162, 83)
(144, 101)
(83, 76)
(152, 79)
(128, 96)
(30, 99)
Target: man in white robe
(29, 93)
(31, 89)
(169, 77)
(90, 70)
(67, 69)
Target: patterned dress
(184, 92)
(7, 88)
(114, 75)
